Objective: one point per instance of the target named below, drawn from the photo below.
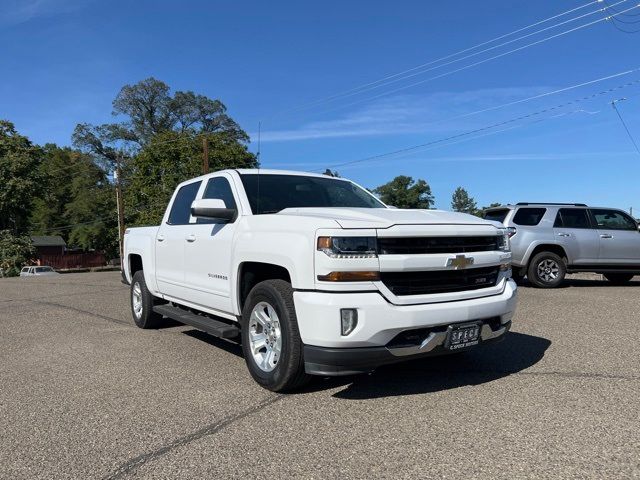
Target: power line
(616, 10)
(494, 47)
(613, 104)
(480, 62)
(459, 52)
(488, 127)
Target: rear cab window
(529, 216)
(496, 215)
(573, 218)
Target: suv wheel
(142, 303)
(546, 270)
(271, 341)
(619, 278)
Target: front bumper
(332, 362)
(374, 341)
(379, 321)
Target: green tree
(462, 202)
(77, 201)
(404, 192)
(150, 110)
(19, 177)
(15, 252)
(168, 159)
(481, 211)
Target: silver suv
(549, 240)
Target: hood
(386, 217)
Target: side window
(613, 220)
(529, 216)
(219, 188)
(572, 218)
(181, 208)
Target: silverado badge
(460, 262)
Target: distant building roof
(48, 241)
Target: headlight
(348, 247)
(504, 244)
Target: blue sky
(63, 61)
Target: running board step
(206, 324)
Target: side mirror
(213, 208)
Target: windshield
(496, 215)
(278, 192)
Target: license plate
(462, 336)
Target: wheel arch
(547, 247)
(251, 273)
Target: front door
(208, 251)
(574, 231)
(170, 243)
(619, 237)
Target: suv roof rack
(552, 203)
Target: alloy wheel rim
(548, 270)
(265, 337)
(136, 296)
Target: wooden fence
(74, 260)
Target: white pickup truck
(316, 276)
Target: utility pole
(205, 155)
(119, 206)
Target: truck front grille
(439, 281)
(418, 245)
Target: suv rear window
(529, 216)
(496, 215)
(572, 218)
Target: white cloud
(406, 114)
(15, 12)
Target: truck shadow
(584, 282)
(517, 352)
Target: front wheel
(619, 278)
(271, 341)
(546, 270)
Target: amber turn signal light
(350, 277)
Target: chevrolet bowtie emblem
(459, 262)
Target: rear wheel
(142, 303)
(619, 278)
(271, 341)
(546, 270)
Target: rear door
(619, 237)
(170, 242)
(574, 230)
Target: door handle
(564, 234)
(191, 238)
(160, 238)
(606, 235)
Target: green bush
(15, 251)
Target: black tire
(546, 270)
(517, 274)
(619, 278)
(288, 373)
(147, 318)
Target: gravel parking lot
(85, 394)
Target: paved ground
(85, 394)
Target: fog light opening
(348, 320)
